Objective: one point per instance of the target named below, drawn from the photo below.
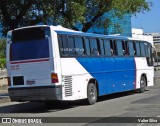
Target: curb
(4, 99)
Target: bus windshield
(30, 43)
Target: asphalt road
(128, 104)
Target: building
(139, 34)
(156, 37)
(117, 26)
(125, 26)
(156, 41)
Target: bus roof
(62, 30)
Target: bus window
(87, 47)
(124, 48)
(28, 34)
(131, 48)
(150, 59)
(119, 48)
(79, 46)
(94, 47)
(113, 47)
(137, 47)
(71, 46)
(60, 45)
(107, 47)
(146, 49)
(65, 46)
(27, 45)
(101, 46)
(142, 49)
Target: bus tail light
(9, 81)
(54, 78)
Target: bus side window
(137, 49)
(79, 46)
(146, 49)
(119, 48)
(71, 46)
(101, 46)
(142, 49)
(150, 55)
(94, 47)
(134, 47)
(60, 42)
(107, 47)
(126, 48)
(131, 48)
(87, 47)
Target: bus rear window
(29, 50)
(30, 43)
(27, 34)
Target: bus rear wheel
(91, 94)
(143, 83)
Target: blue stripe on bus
(113, 74)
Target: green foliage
(68, 13)
(2, 63)
(2, 53)
(2, 48)
(18, 13)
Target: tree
(2, 53)
(94, 10)
(17, 13)
(75, 14)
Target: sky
(148, 21)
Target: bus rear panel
(30, 65)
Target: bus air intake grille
(68, 85)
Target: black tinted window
(119, 48)
(79, 46)
(101, 46)
(71, 47)
(60, 41)
(131, 48)
(138, 50)
(65, 45)
(87, 46)
(94, 46)
(142, 49)
(30, 34)
(107, 47)
(146, 49)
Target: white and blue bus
(47, 63)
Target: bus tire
(91, 94)
(143, 83)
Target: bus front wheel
(91, 94)
(143, 83)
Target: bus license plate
(30, 82)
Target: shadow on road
(39, 107)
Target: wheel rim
(143, 83)
(92, 93)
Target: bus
(49, 63)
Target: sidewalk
(4, 94)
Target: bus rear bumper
(43, 93)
